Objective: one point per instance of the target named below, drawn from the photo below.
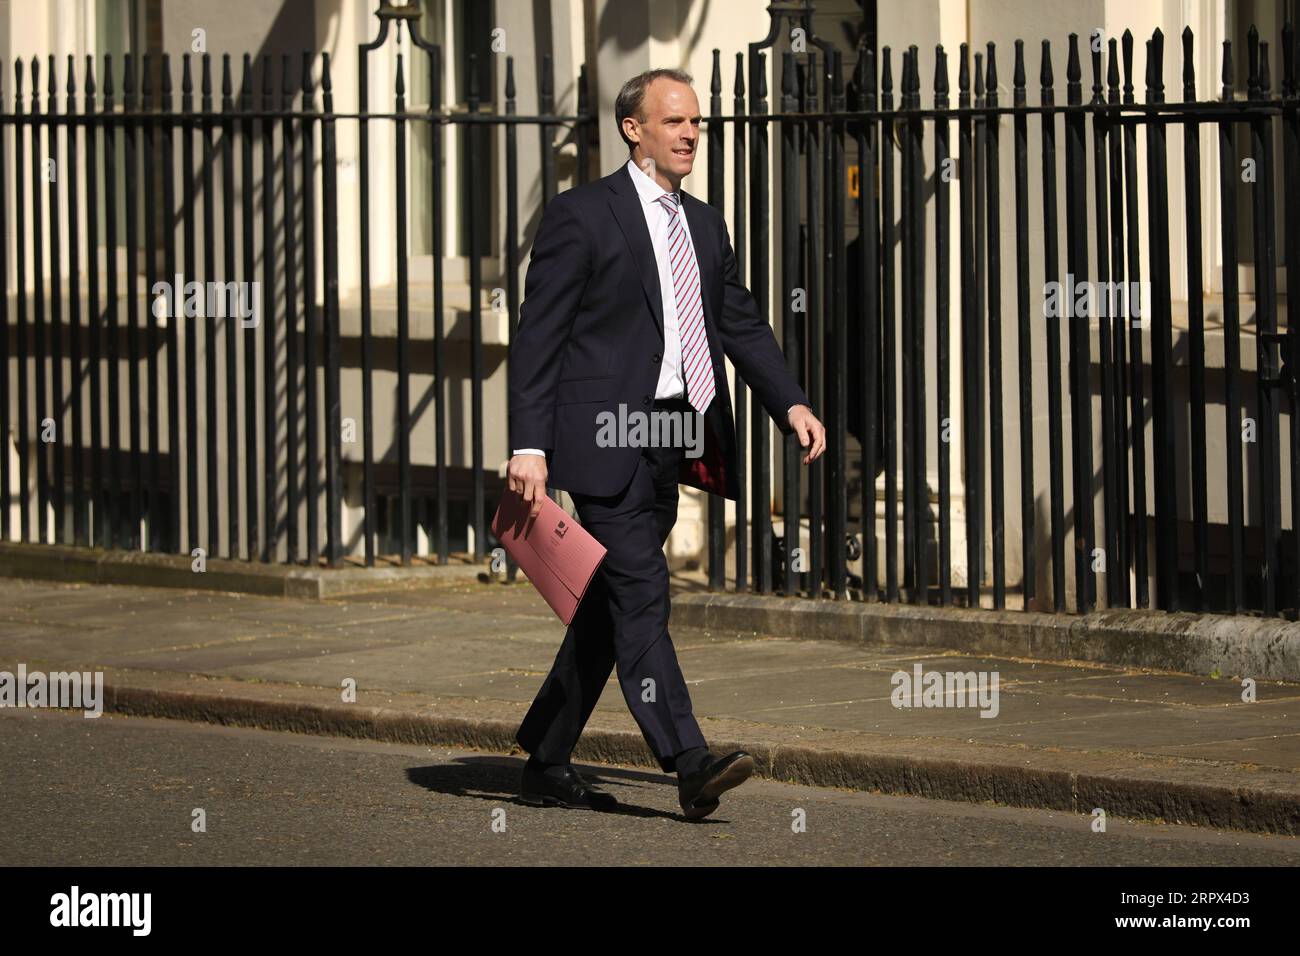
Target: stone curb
(1149, 788)
(142, 569)
(1241, 646)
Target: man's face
(671, 131)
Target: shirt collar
(649, 190)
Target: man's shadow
(496, 780)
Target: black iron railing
(125, 484)
(861, 345)
(120, 426)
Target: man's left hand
(811, 432)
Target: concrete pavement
(457, 664)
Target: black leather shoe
(698, 792)
(565, 789)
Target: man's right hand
(526, 474)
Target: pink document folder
(556, 553)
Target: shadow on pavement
(496, 779)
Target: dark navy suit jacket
(590, 337)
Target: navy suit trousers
(622, 621)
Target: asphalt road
(123, 791)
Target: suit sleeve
(557, 276)
(751, 346)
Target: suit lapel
(626, 205)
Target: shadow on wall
(617, 27)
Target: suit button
(645, 400)
(654, 359)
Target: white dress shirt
(657, 220)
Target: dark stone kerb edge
(1203, 805)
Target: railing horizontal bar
(1209, 109)
(217, 117)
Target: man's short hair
(631, 98)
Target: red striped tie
(697, 363)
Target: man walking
(632, 299)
